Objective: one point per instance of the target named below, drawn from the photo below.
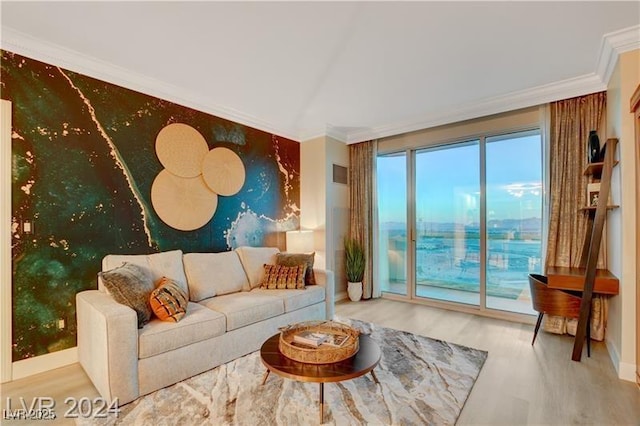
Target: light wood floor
(518, 384)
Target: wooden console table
(565, 278)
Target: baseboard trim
(341, 295)
(40, 364)
(625, 370)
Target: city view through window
(447, 201)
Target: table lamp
(300, 241)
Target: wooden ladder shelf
(591, 247)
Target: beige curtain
(571, 121)
(362, 161)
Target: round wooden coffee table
(363, 362)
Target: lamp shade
(300, 241)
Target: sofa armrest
(108, 345)
(325, 278)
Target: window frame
(409, 147)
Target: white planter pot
(355, 291)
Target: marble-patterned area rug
(422, 381)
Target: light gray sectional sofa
(228, 316)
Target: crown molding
(328, 132)
(337, 134)
(310, 134)
(565, 89)
(612, 46)
(54, 54)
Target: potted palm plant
(354, 266)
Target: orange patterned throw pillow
(168, 300)
(295, 259)
(283, 277)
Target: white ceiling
(351, 70)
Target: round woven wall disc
(183, 203)
(223, 171)
(181, 149)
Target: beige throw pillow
(253, 258)
(214, 274)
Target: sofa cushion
(130, 285)
(296, 299)
(198, 324)
(245, 308)
(214, 274)
(165, 264)
(253, 259)
(283, 277)
(168, 301)
(294, 259)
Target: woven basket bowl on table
(323, 354)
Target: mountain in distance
(521, 225)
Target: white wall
(5, 242)
(324, 205)
(313, 194)
(338, 212)
(621, 223)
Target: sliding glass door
(392, 223)
(447, 206)
(462, 222)
(514, 218)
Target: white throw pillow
(213, 274)
(253, 260)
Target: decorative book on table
(327, 335)
(310, 338)
(336, 340)
(315, 339)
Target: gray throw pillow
(296, 259)
(130, 285)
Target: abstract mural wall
(89, 178)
